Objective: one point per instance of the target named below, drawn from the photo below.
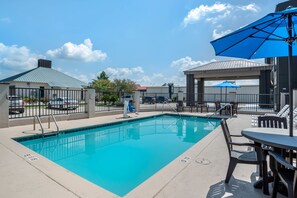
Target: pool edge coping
(164, 175)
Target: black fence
(248, 103)
(30, 102)
(111, 101)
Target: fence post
(136, 98)
(90, 100)
(4, 105)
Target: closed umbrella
(226, 84)
(274, 35)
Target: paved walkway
(201, 176)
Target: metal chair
(237, 156)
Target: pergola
(227, 70)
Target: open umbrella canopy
(260, 39)
(226, 84)
(271, 36)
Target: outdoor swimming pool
(120, 156)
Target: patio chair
(269, 122)
(202, 105)
(237, 156)
(272, 122)
(285, 172)
(234, 108)
(284, 112)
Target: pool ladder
(222, 108)
(171, 108)
(49, 124)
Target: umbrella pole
(290, 41)
(226, 95)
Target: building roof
(50, 76)
(230, 65)
(229, 70)
(141, 88)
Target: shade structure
(226, 84)
(274, 35)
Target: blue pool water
(119, 157)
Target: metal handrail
(171, 108)
(39, 121)
(215, 113)
(54, 119)
(49, 125)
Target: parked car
(63, 103)
(161, 99)
(16, 104)
(148, 99)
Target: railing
(30, 102)
(54, 119)
(49, 124)
(247, 103)
(40, 124)
(174, 109)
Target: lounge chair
(284, 112)
(237, 156)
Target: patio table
(277, 138)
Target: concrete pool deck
(27, 174)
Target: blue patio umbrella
(226, 84)
(274, 35)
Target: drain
(203, 161)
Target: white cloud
(216, 34)
(123, 72)
(17, 58)
(186, 63)
(82, 52)
(250, 7)
(216, 12)
(183, 64)
(201, 11)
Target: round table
(277, 138)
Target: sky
(148, 41)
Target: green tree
(102, 83)
(105, 98)
(103, 76)
(113, 98)
(123, 86)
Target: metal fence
(110, 101)
(248, 103)
(30, 102)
